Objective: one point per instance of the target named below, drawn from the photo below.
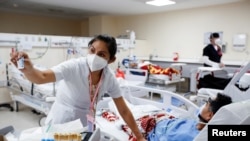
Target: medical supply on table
(67, 137)
(64, 131)
(64, 137)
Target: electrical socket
(3, 83)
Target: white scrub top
(72, 97)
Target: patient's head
(212, 106)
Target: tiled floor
(21, 120)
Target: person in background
(83, 83)
(212, 53)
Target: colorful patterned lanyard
(94, 100)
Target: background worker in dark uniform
(212, 53)
(211, 57)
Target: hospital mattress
(40, 90)
(112, 128)
(139, 107)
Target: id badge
(90, 122)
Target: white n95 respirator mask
(95, 62)
(217, 41)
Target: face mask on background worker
(96, 62)
(217, 41)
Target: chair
(6, 130)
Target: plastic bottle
(175, 56)
(20, 62)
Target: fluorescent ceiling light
(160, 2)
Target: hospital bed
(235, 113)
(140, 107)
(154, 73)
(238, 88)
(39, 97)
(143, 77)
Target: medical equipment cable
(74, 48)
(43, 53)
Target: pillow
(244, 81)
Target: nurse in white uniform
(84, 81)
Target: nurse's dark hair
(214, 35)
(110, 42)
(220, 101)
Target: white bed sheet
(44, 90)
(113, 128)
(236, 113)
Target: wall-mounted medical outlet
(3, 83)
(239, 42)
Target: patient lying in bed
(167, 128)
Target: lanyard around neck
(96, 91)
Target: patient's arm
(128, 117)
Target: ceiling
(80, 9)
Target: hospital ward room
(133, 70)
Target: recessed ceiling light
(160, 2)
(15, 5)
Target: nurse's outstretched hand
(27, 64)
